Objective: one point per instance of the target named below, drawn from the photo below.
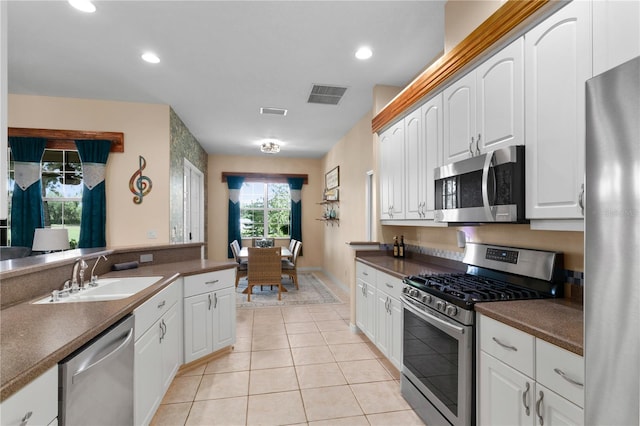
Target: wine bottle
(401, 247)
(396, 247)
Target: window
(61, 190)
(265, 210)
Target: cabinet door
(504, 394)
(147, 380)
(383, 332)
(500, 107)
(459, 118)
(553, 410)
(395, 327)
(37, 402)
(558, 58)
(616, 33)
(414, 164)
(198, 336)
(224, 318)
(171, 345)
(391, 172)
(432, 127)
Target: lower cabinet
(34, 404)
(523, 380)
(209, 313)
(379, 311)
(158, 350)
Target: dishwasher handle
(125, 341)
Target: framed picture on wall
(332, 178)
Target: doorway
(193, 207)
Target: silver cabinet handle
(525, 399)
(471, 147)
(26, 418)
(388, 285)
(581, 199)
(567, 378)
(161, 304)
(538, 406)
(209, 297)
(477, 145)
(365, 273)
(511, 348)
(212, 282)
(215, 300)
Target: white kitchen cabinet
(389, 317)
(209, 313)
(34, 404)
(616, 33)
(366, 299)
(392, 172)
(484, 110)
(558, 58)
(460, 118)
(423, 153)
(158, 350)
(523, 380)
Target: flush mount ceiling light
(364, 53)
(150, 57)
(270, 147)
(83, 5)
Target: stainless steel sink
(107, 289)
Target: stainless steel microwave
(485, 188)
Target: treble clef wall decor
(139, 184)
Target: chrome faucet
(94, 278)
(77, 275)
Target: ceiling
(221, 61)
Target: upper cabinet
(616, 33)
(558, 60)
(391, 172)
(484, 110)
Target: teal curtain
(295, 186)
(234, 183)
(27, 212)
(93, 155)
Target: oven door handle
(490, 212)
(431, 318)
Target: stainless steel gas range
(438, 376)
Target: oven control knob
(451, 310)
(405, 289)
(413, 292)
(426, 298)
(440, 305)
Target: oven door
(437, 361)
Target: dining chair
(265, 268)
(241, 271)
(289, 266)
(292, 244)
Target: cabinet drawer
(210, 281)
(389, 284)
(40, 398)
(365, 272)
(509, 345)
(558, 369)
(154, 308)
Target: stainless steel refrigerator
(612, 248)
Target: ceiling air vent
(273, 111)
(327, 95)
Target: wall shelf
(330, 209)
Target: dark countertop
(557, 321)
(33, 338)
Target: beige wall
(461, 17)
(312, 230)
(146, 133)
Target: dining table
(284, 252)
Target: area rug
(312, 291)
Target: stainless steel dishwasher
(96, 382)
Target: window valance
(266, 177)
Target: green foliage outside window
(265, 210)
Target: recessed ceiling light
(83, 5)
(364, 53)
(150, 57)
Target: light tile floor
(297, 365)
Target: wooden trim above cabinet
(509, 16)
(65, 139)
